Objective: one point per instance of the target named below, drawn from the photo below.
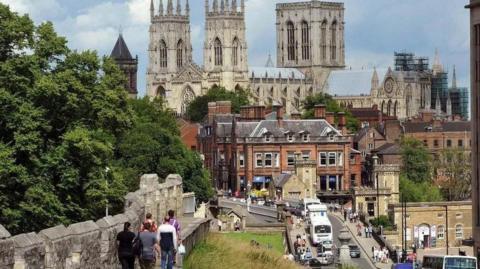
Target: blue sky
(374, 29)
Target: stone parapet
(92, 244)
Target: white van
(320, 230)
(316, 211)
(306, 202)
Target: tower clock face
(389, 85)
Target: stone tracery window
(334, 41)
(305, 41)
(180, 53)
(323, 40)
(163, 54)
(291, 41)
(235, 46)
(187, 98)
(218, 52)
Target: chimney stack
(342, 122)
(319, 111)
(212, 110)
(330, 117)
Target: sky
(374, 29)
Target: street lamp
(107, 169)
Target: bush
(383, 221)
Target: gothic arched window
(395, 108)
(291, 41)
(389, 108)
(218, 52)
(187, 97)
(305, 41)
(334, 41)
(235, 47)
(161, 92)
(323, 40)
(180, 53)
(163, 54)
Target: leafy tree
(419, 192)
(331, 106)
(416, 160)
(454, 174)
(198, 108)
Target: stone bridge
(92, 244)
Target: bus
(306, 202)
(320, 230)
(449, 262)
(316, 211)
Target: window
(290, 158)
(459, 231)
(449, 143)
(305, 155)
(218, 52)
(268, 138)
(163, 54)
(324, 40)
(441, 232)
(290, 137)
(305, 41)
(425, 143)
(332, 158)
(241, 159)
(268, 159)
(333, 49)
(460, 143)
(258, 160)
(305, 137)
(323, 159)
(458, 215)
(276, 159)
(440, 215)
(435, 143)
(235, 52)
(340, 158)
(291, 41)
(180, 53)
(370, 146)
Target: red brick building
(251, 149)
(188, 133)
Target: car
(315, 263)
(325, 259)
(294, 210)
(354, 251)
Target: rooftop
(120, 51)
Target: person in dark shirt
(125, 247)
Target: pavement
(364, 243)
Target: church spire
(243, 6)
(449, 105)
(234, 6)
(269, 61)
(454, 79)
(437, 66)
(222, 6)
(374, 79)
(170, 7)
(160, 8)
(227, 6)
(152, 10)
(215, 6)
(438, 105)
(187, 8)
(179, 8)
(207, 7)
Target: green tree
(419, 192)
(454, 174)
(331, 106)
(416, 158)
(198, 108)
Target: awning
(258, 179)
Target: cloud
(39, 10)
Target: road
(337, 225)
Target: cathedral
(310, 43)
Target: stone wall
(93, 244)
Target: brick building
(251, 149)
(188, 133)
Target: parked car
(325, 259)
(354, 251)
(315, 263)
(294, 210)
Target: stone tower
(225, 48)
(170, 47)
(310, 36)
(127, 64)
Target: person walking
(149, 247)
(125, 240)
(370, 230)
(366, 231)
(149, 219)
(167, 236)
(174, 222)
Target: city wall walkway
(365, 243)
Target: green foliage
(455, 168)
(416, 160)
(70, 140)
(383, 221)
(412, 191)
(198, 108)
(331, 106)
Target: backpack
(137, 246)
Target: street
(337, 225)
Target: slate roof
(120, 51)
(281, 180)
(352, 82)
(316, 128)
(454, 126)
(274, 72)
(388, 149)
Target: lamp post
(107, 169)
(446, 226)
(375, 163)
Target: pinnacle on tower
(438, 105)
(215, 6)
(454, 79)
(375, 78)
(449, 105)
(269, 61)
(187, 8)
(437, 66)
(179, 8)
(207, 7)
(243, 6)
(170, 7)
(152, 10)
(222, 6)
(160, 8)
(234, 6)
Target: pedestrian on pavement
(370, 230)
(174, 222)
(359, 229)
(125, 247)
(149, 219)
(167, 236)
(219, 222)
(366, 231)
(344, 215)
(149, 248)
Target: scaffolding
(460, 102)
(440, 89)
(407, 61)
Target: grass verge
(273, 239)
